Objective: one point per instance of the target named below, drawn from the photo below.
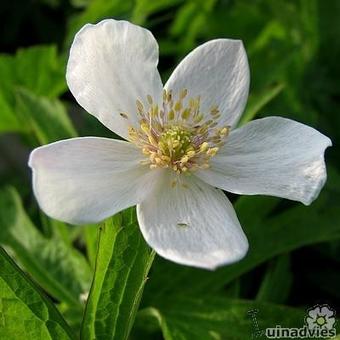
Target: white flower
(181, 145)
(320, 316)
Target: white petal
(325, 311)
(218, 72)
(111, 65)
(85, 180)
(314, 313)
(271, 156)
(194, 225)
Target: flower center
(175, 142)
(320, 320)
(178, 135)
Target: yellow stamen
(171, 115)
(178, 106)
(149, 98)
(178, 136)
(204, 146)
(212, 151)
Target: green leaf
(91, 240)
(56, 229)
(145, 8)
(275, 286)
(270, 234)
(189, 25)
(122, 264)
(186, 318)
(72, 314)
(80, 3)
(38, 68)
(258, 101)
(96, 11)
(25, 313)
(8, 120)
(62, 271)
(46, 118)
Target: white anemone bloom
(181, 146)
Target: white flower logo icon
(320, 316)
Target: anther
(140, 106)
(212, 151)
(149, 98)
(145, 128)
(178, 106)
(183, 93)
(171, 115)
(184, 159)
(204, 146)
(186, 114)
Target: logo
(319, 323)
(320, 316)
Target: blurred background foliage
(293, 49)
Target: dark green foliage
(122, 265)
(25, 311)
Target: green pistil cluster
(175, 142)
